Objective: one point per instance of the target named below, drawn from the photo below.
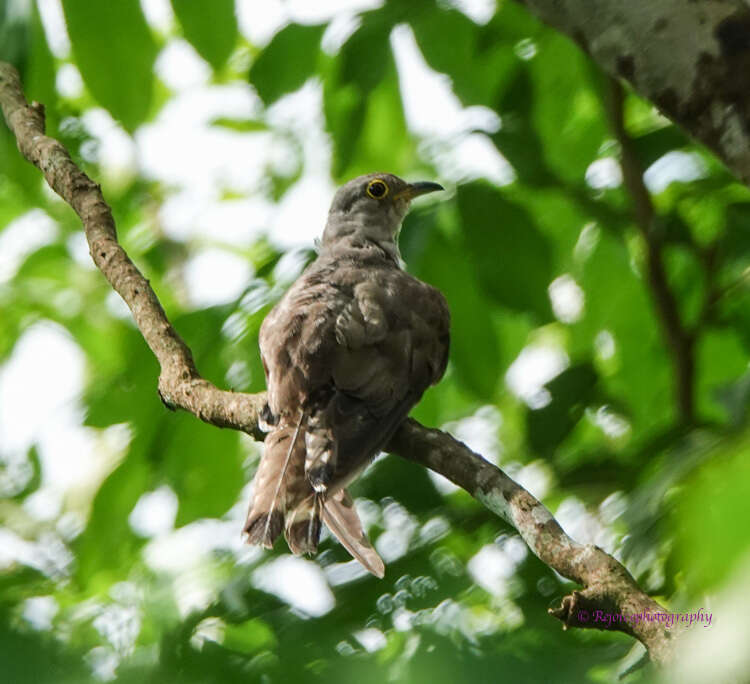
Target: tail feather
(286, 499)
(303, 526)
(264, 528)
(341, 517)
(283, 457)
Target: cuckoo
(347, 352)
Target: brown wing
(347, 352)
(391, 343)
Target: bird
(347, 352)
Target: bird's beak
(416, 189)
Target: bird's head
(372, 207)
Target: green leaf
(735, 244)
(435, 30)
(36, 474)
(211, 29)
(408, 483)
(344, 110)
(619, 310)
(39, 80)
(240, 125)
(450, 398)
(35, 657)
(475, 57)
(362, 104)
(475, 348)
(734, 310)
(560, 214)
(650, 146)
(550, 105)
(571, 392)
(711, 514)
(249, 637)
(685, 277)
(675, 230)
(286, 62)
(379, 139)
(517, 139)
(18, 178)
(49, 262)
(568, 112)
(203, 464)
(129, 393)
(363, 59)
(14, 33)
(705, 213)
(720, 361)
(200, 462)
(108, 545)
(512, 257)
(735, 399)
(115, 53)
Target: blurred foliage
(108, 40)
(668, 497)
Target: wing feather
(340, 515)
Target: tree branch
(679, 340)
(607, 584)
(691, 59)
(180, 385)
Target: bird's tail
(285, 500)
(302, 528)
(341, 518)
(280, 484)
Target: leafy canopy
(558, 367)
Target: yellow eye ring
(377, 189)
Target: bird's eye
(377, 189)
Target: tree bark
(691, 58)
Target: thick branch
(691, 59)
(678, 338)
(607, 584)
(180, 385)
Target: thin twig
(607, 585)
(678, 338)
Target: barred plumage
(347, 352)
